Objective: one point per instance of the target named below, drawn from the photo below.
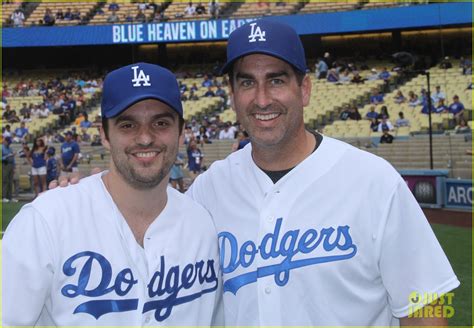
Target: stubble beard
(138, 181)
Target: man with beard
(120, 248)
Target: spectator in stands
(189, 10)
(25, 109)
(386, 136)
(243, 139)
(6, 132)
(384, 75)
(142, 6)
(376, 97)
(214, 9)
(437, 95)
(21, 133)
(371, 114)
(345, 77)
(69, 155)
(441, 107)
(194, 87)
(383, 112)
(48, 18)
(221, 93)
(159, 16)
(456, 108)
(18, 18)
(373, 75)
(195, 157)
(413, 100)
(76, 14)
(140, 17)
(466, 66)
(8, 113)
(321, 69)
(202, 133)
(14, 118)
(176, 173)
(446, 63)
(114, 6)
(385, 124)
(401, 121)
(333, 76)
(96, 141)
(113, 17)
(354, 113)
(68, 14)
(226, 133)
(374, 125)
(356, 78)
(328, 59)
(84, 136)
(182, 87)
(399, 98)
(48, 138)
(37, 160)
(26, 118)
(42, 111)
(8, 170)
(52, 172)
(127, 17)
(193, 96)
(344, 115)
(462, 127)
(85, 122)
(207, 82)
(200, 9)
(424, 109)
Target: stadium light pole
(406, 62)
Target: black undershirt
(277, 175)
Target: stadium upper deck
(99, 13)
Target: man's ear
(103, 138)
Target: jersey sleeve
(77, 150)
(195, 191)
(27, 266)
(411, 258)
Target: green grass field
(456, 242)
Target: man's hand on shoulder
(70, 180)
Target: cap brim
(231, 62)
(116, 110)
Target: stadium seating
(451, 82)
(85, 9)
(449, 153)
(125, 9)
(315, 7)
(264, 8)
(7, 11)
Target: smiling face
(143, 142)
(269, 99)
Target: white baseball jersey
(70, 259)
(338, 241)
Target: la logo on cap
(140, 79)
(255, 33)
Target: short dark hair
(105, 126)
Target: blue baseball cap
(266, 37)
(130, 84)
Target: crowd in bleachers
(111, 12)
(382, 106)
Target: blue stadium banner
(420, 16)
(458, 194)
